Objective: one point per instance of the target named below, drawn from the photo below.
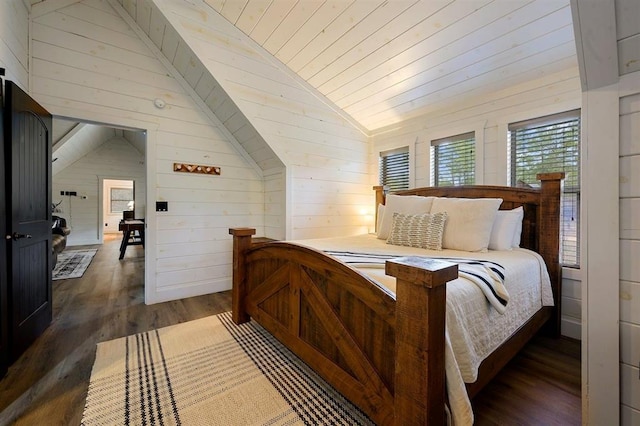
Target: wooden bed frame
(384, 352)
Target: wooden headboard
(541, 223)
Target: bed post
(241, 243)
(420, 339)
(549, 236)
(380, 192)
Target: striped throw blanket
(487, 275)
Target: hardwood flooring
(48, 384)
(540, 386)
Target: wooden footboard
(343, 325)
(384, 352)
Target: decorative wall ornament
(196, 168)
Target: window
(121, 199)
(552, 144)
(394, 169)
(454, 160)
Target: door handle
(16, 236)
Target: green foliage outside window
(547, 145)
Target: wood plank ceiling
(383, 62)
(386, 61)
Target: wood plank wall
(628, 35)
(489, 117)
(14, 41)
(328, 180)
(629, 255)
(88, 63)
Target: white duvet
(473, 327)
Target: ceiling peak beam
(128, 10)
(64, 139)
(594, 26)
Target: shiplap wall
(327, 158)
(113, 158)
(89, 64)
(489, 117)
(628, 35)
(629, 255)
(14, 41)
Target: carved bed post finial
(241, 243)
(420, 338)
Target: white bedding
(473, 327)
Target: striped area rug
(209, 372)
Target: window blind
(394, 169)
(552, 144)
(121, 199)
(454, 160)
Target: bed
(386, 350)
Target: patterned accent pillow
(418, 230)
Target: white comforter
(473, 327)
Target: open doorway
(103, 168)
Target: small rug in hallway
(209, 372)
(72, 263)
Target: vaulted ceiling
(383, 62)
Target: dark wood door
(27, 128)
(4, 315)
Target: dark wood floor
(540, 386)
(48, 384)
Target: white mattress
(474, 328)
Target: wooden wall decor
(196, 168)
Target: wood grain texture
(48, 385)
(540, 386)
(385, 62)
(420, 365)
(326, 312)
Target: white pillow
(518, 232)
(469, 221)
(504, 229)
(379, 217)
(407, 204)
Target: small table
(127, 227)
